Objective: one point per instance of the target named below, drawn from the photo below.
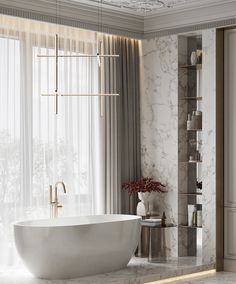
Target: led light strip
(185, 277)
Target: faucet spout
(56, 187)
(54, 204)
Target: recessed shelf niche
(190, 99)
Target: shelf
(194, 162)
(192, 67)
(189, 227)
(189, 130)
(190, 193)
(192, 98)
(190, 162)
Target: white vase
(149, 201)
(193, 58)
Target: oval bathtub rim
(28, 223)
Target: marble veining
(139, 271)
(209, 145)
(159, 122)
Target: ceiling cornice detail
(75, 14)
(217, 13)
(213, 15)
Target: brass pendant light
(57, 93)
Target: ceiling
(131, 18)
(147, 7)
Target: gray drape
(122, 122)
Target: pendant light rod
(56, 79)
(82, 55)
(80, 95)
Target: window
(38, 148)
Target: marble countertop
(138, 271)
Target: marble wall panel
(160, 137)
(209, 145)
(159, 122)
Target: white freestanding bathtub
(77, 246)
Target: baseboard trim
(230, 265)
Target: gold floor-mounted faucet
(54, 204)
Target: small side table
(157, 244)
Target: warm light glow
(185, 277)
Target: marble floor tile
(138, 271)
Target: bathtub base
(77, 274)
(72, 271)
(67, 248)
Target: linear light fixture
(81, 55)
(82, 95)
(56, 93)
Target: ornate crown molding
(216, 14)
(210, 14)
(75, 14)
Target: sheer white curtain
(38, 148)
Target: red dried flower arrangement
(146, 184)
